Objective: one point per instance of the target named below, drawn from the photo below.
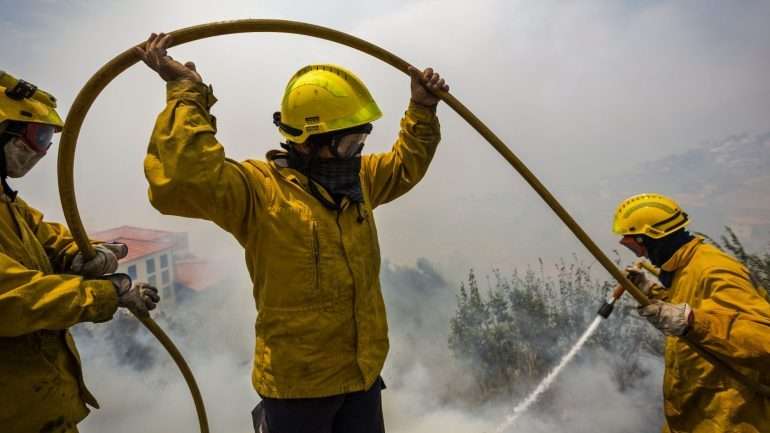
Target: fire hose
(96, 84)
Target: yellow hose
(109, 71)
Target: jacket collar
(280, 164)
(683, 255)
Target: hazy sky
(579, 90)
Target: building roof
(141, 242)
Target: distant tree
(758, 264)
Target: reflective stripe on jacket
(41, 383)
(321, 328)
(732, 320)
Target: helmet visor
(37, 136)
(348, 145)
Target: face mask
(339, 176)
(661, 250)
(19, 158)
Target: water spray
(550, 378)
(604, 312)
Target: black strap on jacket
(4, 138)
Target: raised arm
(186, 167)
(391, 174)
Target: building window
(152, 280)
(164, 261)
(132, 272)
(151, 265)
(167, 292)
(164, 277)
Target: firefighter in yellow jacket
(712, 298)
(304, 217)
(46, 285)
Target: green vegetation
(758, 264)
(510, 337)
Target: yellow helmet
(324, 98)
(650, 214)
(21, 101)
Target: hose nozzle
(606, 309)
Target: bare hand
(425, 85)
(153, 53)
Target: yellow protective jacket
(321, 328)
(41, 383)
(731, 319)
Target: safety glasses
(350, 144)
(36, 135)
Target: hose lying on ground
(109, 71)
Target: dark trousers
(356, 412)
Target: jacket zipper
(317, 256)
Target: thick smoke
(141, 390)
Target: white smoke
(425, 383)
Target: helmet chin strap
(7, 190)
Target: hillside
(724, 182)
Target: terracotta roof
(196, 274)
(130, 232)
(141, 242)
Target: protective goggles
(37, 136)
(349, 145)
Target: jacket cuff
(700, 328)
(421, 112)
(189, 90)
(105, 300)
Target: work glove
(640, 279)
(139, 298)
(104, 262)
(671, 319)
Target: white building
(152, 255)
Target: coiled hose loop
(116, 66)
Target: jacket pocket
(289, 259)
